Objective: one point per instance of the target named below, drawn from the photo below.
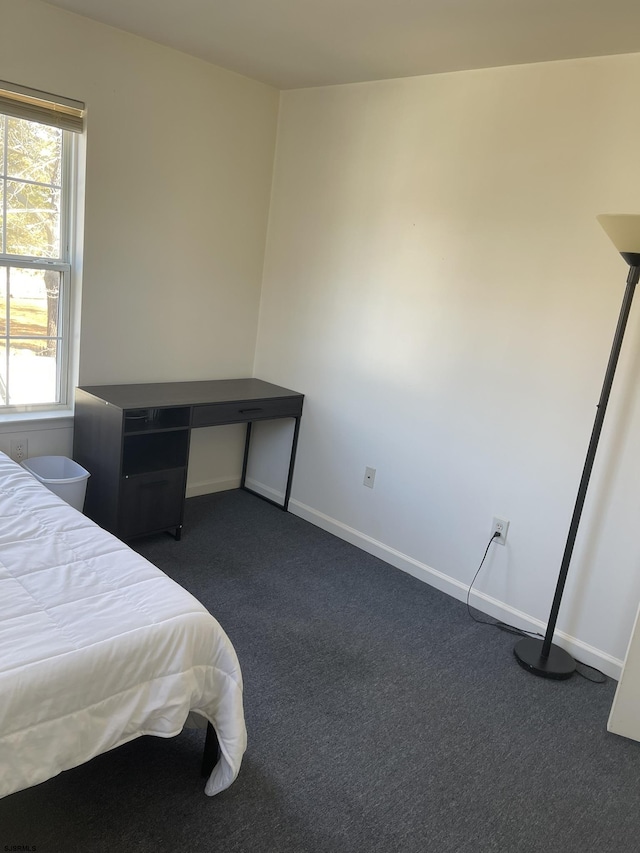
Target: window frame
(65, 362)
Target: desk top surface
(160, 394)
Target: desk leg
(292, 459)
(245, 460)
(177, 533)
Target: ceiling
(300, 43)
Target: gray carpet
(380, 718)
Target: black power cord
(520, 632)
(502, 626)
(594, 669)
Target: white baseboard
(265, 491)
(493, 607)
(208, 487)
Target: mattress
(98, 646)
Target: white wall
(54, 440)
(437, 285)
(178, 176)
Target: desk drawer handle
(248, 411)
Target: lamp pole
(542, 657)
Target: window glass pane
(33, 374)
(34, 302)
(3, 374)
(33, 220)
(3, 300)
(34, 151)
(32, 350)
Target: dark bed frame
(211, 752)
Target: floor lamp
(542, 657)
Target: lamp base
(558, 665)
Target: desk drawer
(247, 410)
(151, 502)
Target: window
(36, 194)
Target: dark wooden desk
(134, 441)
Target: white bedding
(97, 646)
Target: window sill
(30, 421)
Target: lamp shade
(623, 230)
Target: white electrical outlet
(19, 449)
(369, 477)
(501, 526)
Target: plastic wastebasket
(62, 476)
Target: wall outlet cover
(19, 449)
(369, 477)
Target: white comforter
(97, 646)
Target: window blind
(30, 104)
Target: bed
(98, 646)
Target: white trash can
(62, 476)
